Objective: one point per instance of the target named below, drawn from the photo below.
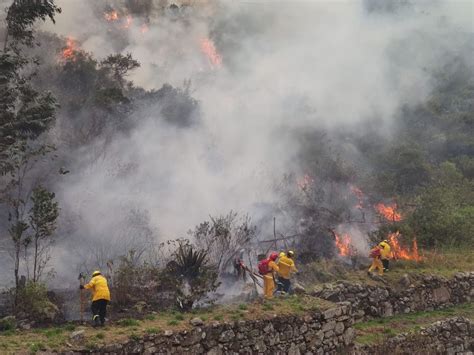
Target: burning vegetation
(101, 117)
(209, 50)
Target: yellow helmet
(281, 254)
(290, 253)
(95, 273)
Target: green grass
(152, 330)
(129, 322)
(100, 335)
(150, 317)
(173, 322)
(377, 330)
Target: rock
(196, 322)
(168, 333)
(298, 289)
(405, 280)
(339, 328)
(77, 336)
(140, 306)
(441, 294)
(331, 313)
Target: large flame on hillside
(389, 212)
(343, 244)
(209, 49)
(399, 252)
(69, 52)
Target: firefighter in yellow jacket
(286, 267)
(375, 254)
(100, 297)
(385, 254)
(268, 276)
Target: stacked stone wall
(450, 336)
(429, 293)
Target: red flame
(399, 252)
(343, 244)
(389, 212)
(304, 182)
(69, 52)
(209, 49)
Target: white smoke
(286, 65)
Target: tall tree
(25, 114)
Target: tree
(223, 237)
(42, 220)
(21, 16)
(119, 65)
(24, 115)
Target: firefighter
(267, 268)
(286, 266)
(375, 254)
(100, 297)
(385, 254)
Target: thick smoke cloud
(286, 66)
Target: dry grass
(445, 263)
(58, 338)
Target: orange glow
(399, 252)
(359, 194)
(69, 52)
(389, 212)
(111, 15)
(343, 244)
(209, 49)
(304, 182)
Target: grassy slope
(446, 264)
(57, 338)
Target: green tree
(42, 220)
(25, 114)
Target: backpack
(263, 268)
(375, 253)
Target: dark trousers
(385, 264)
(284, 284)
(99, 309)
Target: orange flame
(359, 194)
(399, 252)
(69, 52)
(343, 244)
(389, 212)
(304, 182)
(209, 49)
(111, 15)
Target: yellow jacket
(286, 266)
(99, 287)
(385, 251)
(273, 267)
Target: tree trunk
(35, 260)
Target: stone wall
(428, 293)
(450, 336)
(319, 333)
